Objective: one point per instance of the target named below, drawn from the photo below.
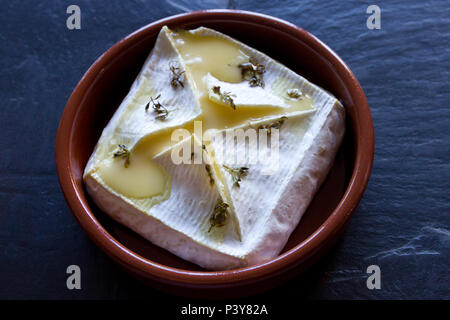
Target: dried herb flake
(225, 96)
(236, 174)
(177, 76)
(124, 153)
(253, 73)
(159, 109)
(219, 216)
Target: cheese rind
(178, 218)
(131, 122)
(156, 231)
(243, 95)
(324, 138)
(270, 202)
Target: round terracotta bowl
(108, 80)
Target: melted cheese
(203, 56)
(171, 203)
(143, 179)
(220, 58)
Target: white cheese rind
(187, 239)
(156, 231)
(271, 199)
(324, 138)
(184, 215)
(243, 95)
(131, 123)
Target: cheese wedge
(243, 95)
(131, 123)
(270, 200)
(135, 175)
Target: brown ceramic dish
(107, 81)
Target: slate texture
(402, 224)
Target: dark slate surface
(402, 223)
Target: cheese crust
(324, 131)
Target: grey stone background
(402, 223)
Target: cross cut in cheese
(171, 204)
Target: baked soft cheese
(205, 78)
